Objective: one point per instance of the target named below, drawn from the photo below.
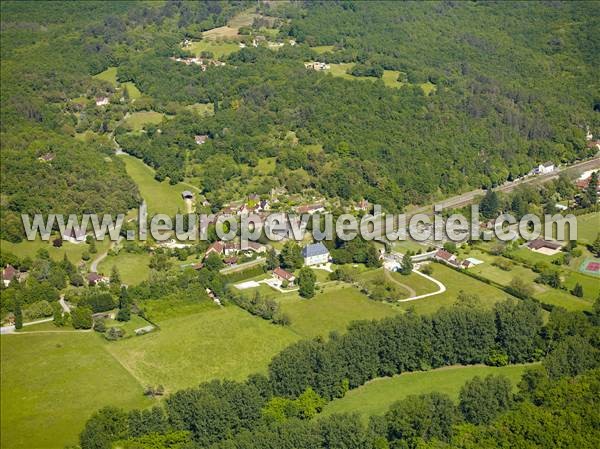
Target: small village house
(315, 254)
(102, 101)
(282, 275)
(8, 274)
(544, 169)
(200, 139)
(187, 195)
(95, 279)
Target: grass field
(375, 397)
(202, 109)
(109, 75)
(390, 78)
(132, 90)
(52, 383)
(73, 251)
(455, 282)
(218, 49)
(133, 268)
(225, 343)
(137, 120)
(588, 227)
(161, 197)
(320, 49)
(333, 309)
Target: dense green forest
(514, 85)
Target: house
(231, 248)
(101, 101)
(363, 205)
(310, 209)
(593, 144)
(95, 279)
(74, 236)
(46, 157)
(264, 205)
(187, 195)
(200, 138)
(230, 260)
(216, 248)
(583, 182)
(541, 245)
(8, 274)
(317, 65)
(545, 168)
(257, 247)
(282, 275)
(315, 254)
(446, 257)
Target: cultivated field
(376, 396)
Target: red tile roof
(281, 273)
(9, 273)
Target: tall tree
(306, 282)
(18, 315)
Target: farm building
(315, 254)
(544, 246)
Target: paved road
(11, 329)
(441, 288)
(242, 266)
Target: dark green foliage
(407, 265)
(124, 313)
(518, 324)
(18, 315)
(429, 416)
(481, 400)
(107, 425)
(306, 282)
(290, 257)
(571, 357)
(99, 301)
(81, 318)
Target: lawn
(52, 383)
(161, 197)
(455, 282)
(224, 343)
(376, 396)
(109, 75)
(390, 78)
(73, 251)
(136, 322)
(588, 227)
(137, 120)
(333, 309)
(133, 268)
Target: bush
(114, 333)
(39, 309)
(100, 325)
(81, 318)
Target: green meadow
(376, 396)
(132, 267)
(73, 251)
(218, 49)
(52, 383)
(161, 197)
(137, 120)
(223, 343)
(109, 75)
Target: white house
(545, 168)
(102, 101)
(315, 254)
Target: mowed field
(137, 120)
(133, 268)
(109, 75)
(223, 343)
(376, 396)
(218, 49)
(52, 382)
(73, 251)
(161, 197)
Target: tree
(81, 318)
(272, 259)
(521, 289)
(57, 316)
(578, 290)
(571, 357)
(306, 282)
(591, 192)
(291, 256)
(426, 416)
(407, 265)
(595, 247)
(124, 313)
(490, 204)
(115, 279)
(160, 262)
(481, 400)
(213, 262)
(18, 315)
(105, 426)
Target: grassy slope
(109, 75)
(588, 227)
(218, 49)
(133, 268)
(51, 383)
(375, 397)
(137, 120)
(73, 251)
(161, 197)
(226, 343)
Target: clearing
(137, 120)
(376, 396)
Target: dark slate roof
(314, 249)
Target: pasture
(52, 382)
(202, 109)
(161, 197)
(588, 226)
(109, 75)
(73, 251)
(137, 120)
(223, 343)
(320, 49)
(132, 267)
(376, 396)
(132, 90)
(218, 49)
